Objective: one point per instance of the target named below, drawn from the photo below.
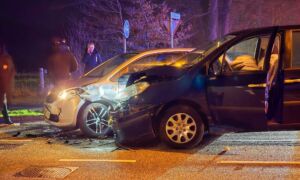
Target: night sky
(26, 27)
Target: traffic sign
(174, 23)
(175, 15)
(126, 29)
(174, 26)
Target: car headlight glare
(69, 93)
(132, 90)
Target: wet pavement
(36, 150)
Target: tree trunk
(225, 16)
(213, 20)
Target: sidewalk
(23, 114)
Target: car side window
(295, 49)
(247, 55)
(148, 62)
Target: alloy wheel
(181, 128)
(97, 118)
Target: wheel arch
(161, 110)
(85, 104)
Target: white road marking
(98, 160)
(261, 163)
(259, 140)
(16, 140)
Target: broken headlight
(132, 90)
(69, 93)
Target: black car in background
(250, 79)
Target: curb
(25, 119)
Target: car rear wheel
(93, 121)
(181, 127)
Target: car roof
(162, 50)
(246, 31)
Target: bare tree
(102, 21)
(149, 21)
(224, 16)
(99, 21)
(256, 13)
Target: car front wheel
(181, 127)
(93, 121)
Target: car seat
(244, 63)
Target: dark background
(26, 28)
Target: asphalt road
(36, 150)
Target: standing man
(61, 62)
(7, 75)
(91, 58)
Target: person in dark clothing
(61, 62)
(7, 75)
(91, 58)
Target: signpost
(174, 22)
(126, 31)
(42, 79)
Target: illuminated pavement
(262, 155)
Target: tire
(93, 121)
(181, 127)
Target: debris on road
(16, 135)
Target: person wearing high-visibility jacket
(7, 76)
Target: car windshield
(210, 47)
(197, 55)
(109, 65)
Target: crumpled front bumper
(133, 124)
(63, 113)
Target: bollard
(42, 80)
